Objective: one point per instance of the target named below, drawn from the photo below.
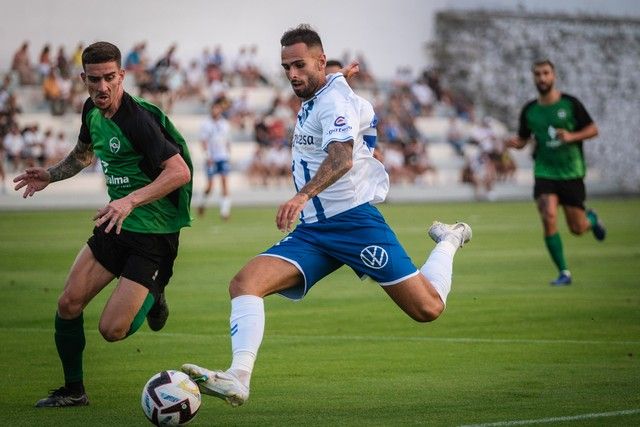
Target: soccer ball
(170, 398)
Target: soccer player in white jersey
(337, 182)
(215, 139)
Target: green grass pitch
(508, 348)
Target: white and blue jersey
(340, 226)
(336, 114)
(215, 137)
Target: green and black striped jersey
(554, 160)
(130, 147)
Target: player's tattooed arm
(79, 158)
(338, 162)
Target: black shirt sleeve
(85, 135)
(583, 119)
(150, 141)
(524, 132)
(145, 133)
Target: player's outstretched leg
(457, 234)
(158, 314)
(63, 397)
(223, 385)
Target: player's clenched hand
(34, 179)
(289, 212)
(113, 214)
(564, 135)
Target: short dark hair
(334, 63)
(303, 33)
(541, 62)
(101, 52)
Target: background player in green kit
(558, 123)
(148, 175)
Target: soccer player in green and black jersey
(148, 175)
(558, 123)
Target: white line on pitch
(463, 340)
(558, 419)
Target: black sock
(76, 387)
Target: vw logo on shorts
(374, 257)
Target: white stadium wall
(488, 56)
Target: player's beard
(544, 88)
(307, 91)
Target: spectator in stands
(49, 148)
(3, 187)
(216, 85)
(432, 79)
(240, 113)
(62, 63)
(21, 64)
(62, 147)
(31, 150)
(424, 96)
(44, 62)
(133, 60)
(394, 163)
(241, 66)
(217, 58)
(255, 72)
(52, 91)
(193, 83)
(76, 58)
(417, 162)
(14, 144)
(481, 165)
(6, 90)
(455, 135)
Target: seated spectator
(193, 83)
(13, 145)
(6, 90)
(479, 171)
(393, 160)
(52, 91)
(76, 58)
(21, 64)
(44, 63)
(456, 136)
(417, 162)
(62, 63)
(49, 148)
(31, 154)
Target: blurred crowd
(209, 78)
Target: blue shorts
(359, 238)
(218, 167)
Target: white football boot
(457, 234)
(218, 383)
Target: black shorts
(570, 192)
(144, 258)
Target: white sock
(203, 199)
(247, 329)
(439, 268)
(225, 207)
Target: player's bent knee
(112, 333)
(69, 307)
(427, 313)
(576, 229)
